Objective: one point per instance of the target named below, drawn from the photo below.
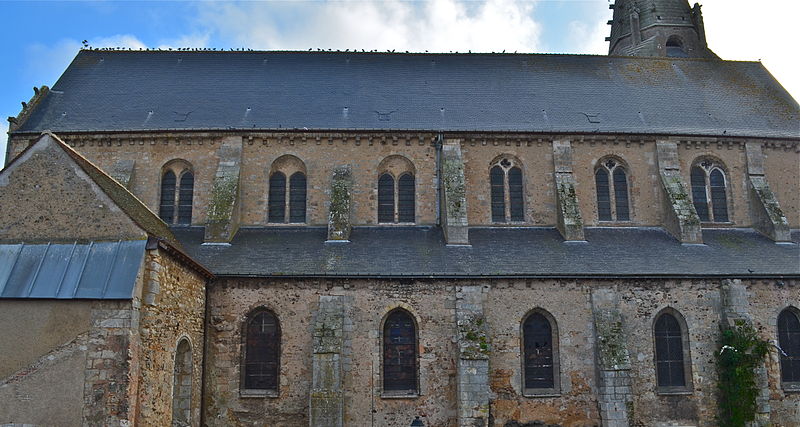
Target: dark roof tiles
(158, 91)
(495, 252)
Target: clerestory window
(396, 191)
(287, 197)
(710, 191)
(507, 195)
(611, 182)
(177, 187)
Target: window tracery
(507, 195)
(611, 182)
(177, 188)
(287, 197)
(709, 191)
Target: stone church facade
(361, 239)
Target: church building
(286, 238)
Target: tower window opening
(675, 48)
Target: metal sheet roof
(159, 91)
(495, 252)
(94, 270)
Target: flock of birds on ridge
(86, 46)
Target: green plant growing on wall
(741, 353)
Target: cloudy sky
(41, 37)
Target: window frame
(399, 394)
(396, 197)
(511, 163)
(555, 391)
(619, 164)
(289, 166)
(179, 169)
(786, 386)
(257, 392)
(688, 387)
(708, 165)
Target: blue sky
(42, 37)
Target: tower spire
(665, 28)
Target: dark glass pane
(603, 195)
(719, 202)
(277, 198)
(386, 198)
(669, 352)
(496, 177)
(538, 352)
(166, 209)
(185, 198)
(405, 198)
(297, 197)
(515, 195)
(789, 342)
(621, 195)
(699, 193)
(399, 352)
(262, 352)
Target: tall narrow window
(611, 182)
(399, 353)
(185, 198)
(167, 208)
(405, 198)
(262, 349)
(709, 191)
(297, 198)
(386, 198)
(182, 385)
(789, 342)
(288, 191)
(277, 197)
(507, 195)
(671, 351)
(540, 361)
(177, 188)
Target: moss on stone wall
(223, 198)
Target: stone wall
(321, 152)
(504, 305)
(38, 187)
(172, 308)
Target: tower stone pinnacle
(660, 28)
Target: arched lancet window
(611, 180)
(262, 351)
(177, 188)
(540, 354)
(709, 191)
(505, 178)
(182, 385)
(673, 364)
(675, 48)
(396, 191)
(399, 353)
(287, 197)
(789, 342)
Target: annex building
(358, 239)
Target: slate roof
(160, 91)
(93, 270)
(495, 252)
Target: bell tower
(660, 28)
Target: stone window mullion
(612, 197)
(709, 200)
(286, 201)
(507, 195)
(177, 199)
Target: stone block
(339, 217)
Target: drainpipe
(438, 145)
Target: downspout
(438, 146)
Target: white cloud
(189, 40)
(738, 30)
(436, 25)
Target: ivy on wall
(741, 353)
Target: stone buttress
(224, 207)
(570, 221)
(473, 357)
(679, 217)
